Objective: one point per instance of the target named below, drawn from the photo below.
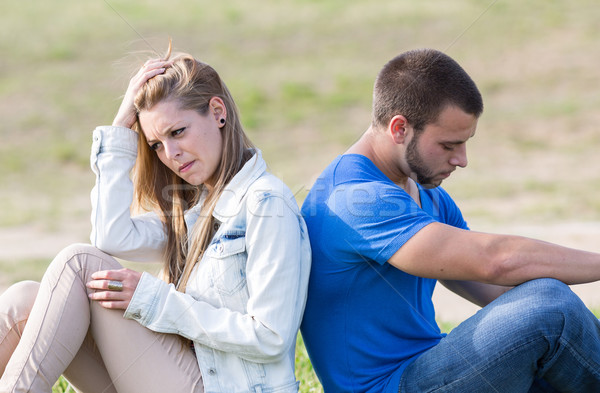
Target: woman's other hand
(114, 288)
(126, 116)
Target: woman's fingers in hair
(149, 74)
(150, 69)
(155, 64)
(126, 115)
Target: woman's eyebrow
(165, 132)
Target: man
(382, 233)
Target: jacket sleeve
(114, 231)
(277, 277)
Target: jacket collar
(228, 204)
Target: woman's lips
(185, 167)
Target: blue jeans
(537, 337)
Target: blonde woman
(225, 314)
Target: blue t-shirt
(365, 320)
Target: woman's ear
(397, 128)
(218, 109)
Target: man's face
(434, 153)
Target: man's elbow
(501, 264)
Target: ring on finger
(116, 286)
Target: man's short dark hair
(419, 84)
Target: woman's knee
(84, 256)
(77, 249)
(16, 303)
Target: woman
(224, 316)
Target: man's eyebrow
(458, 141)
(455, 142)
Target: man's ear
(397, 128)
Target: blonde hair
(191, 84)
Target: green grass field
(302, 72)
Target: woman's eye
(155, 146)
(177, 132)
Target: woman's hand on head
(114, 288)
(126, 116)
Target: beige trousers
(60, 331)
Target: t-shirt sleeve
(371, 221)
(448, 212)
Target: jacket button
(136, 315)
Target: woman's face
(188, 143)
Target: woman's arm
(277, 276)
(114, 151)
(114, 231)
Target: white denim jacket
(245, 299)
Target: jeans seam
(37, 337)
(582, 360)
(535, 339)
(12, 328)
(66, 265)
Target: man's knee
(550, 293)
(549, 302)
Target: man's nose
(459, 157)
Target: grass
(304, 370)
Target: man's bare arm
(444, 252)
(476, 292)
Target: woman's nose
(172, 150)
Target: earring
(222, 121)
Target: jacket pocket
(227, 257)
(291, 387)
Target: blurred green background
(301, 72)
